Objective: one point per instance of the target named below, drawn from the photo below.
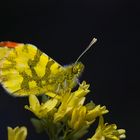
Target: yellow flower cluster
(69, 109)
(70, 105)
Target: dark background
(62, 29)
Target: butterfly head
(72, 73)
(77, 69)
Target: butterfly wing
(25, 70)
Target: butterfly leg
(65, 84)
(58, 88)
(77, 81)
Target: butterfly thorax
(68, 77)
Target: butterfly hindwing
(25, 70)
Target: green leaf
(37, 124)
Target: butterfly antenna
(94, 40)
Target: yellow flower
(83, 116)
(107, 132)
(78, 119)
(18, 133)
(41, 110)
(69, 101)
(82, 90)
(95, 112)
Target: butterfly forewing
(25, 70)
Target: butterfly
(25, 70)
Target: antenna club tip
(94, 39)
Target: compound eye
(75, 70)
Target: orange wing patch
(8, 44)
